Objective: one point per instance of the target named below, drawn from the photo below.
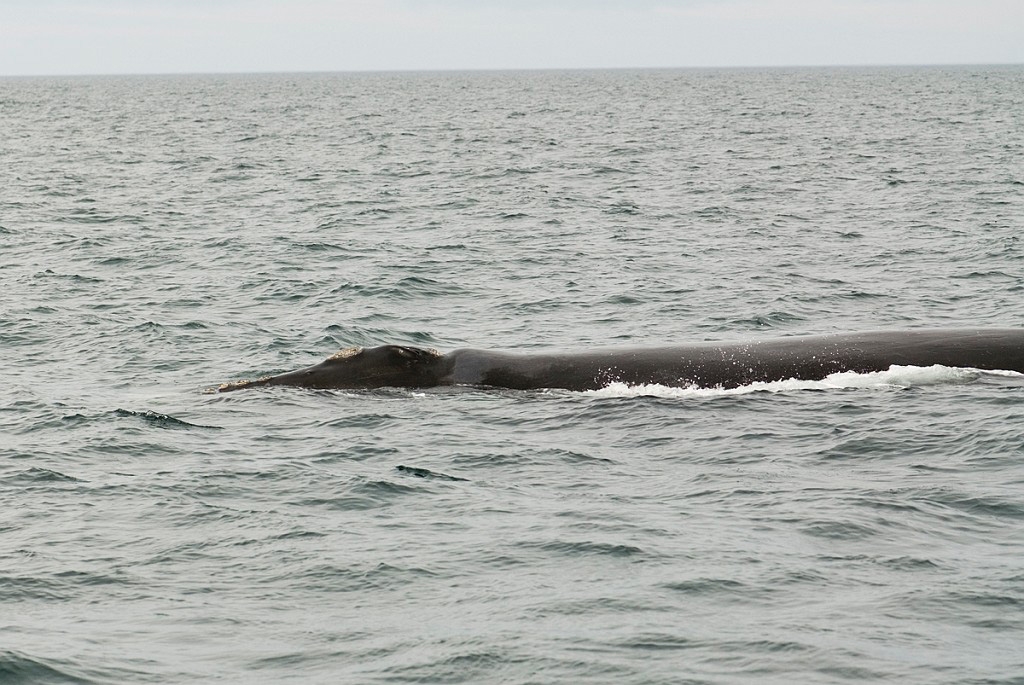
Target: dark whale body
(708, 364)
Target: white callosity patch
(346, 353)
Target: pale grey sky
(182, 36)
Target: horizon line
(456, 70)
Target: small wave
(407, 288)
(333, 578)
(895, 377)
(77, 278)
(774, 319)
(38, 474)
(623, 208)
(363, 495)
(705, 586)
(576, 548)
(16, 667)
(420, 472)
(160, 420)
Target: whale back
(715, 364)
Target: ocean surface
(161, 235)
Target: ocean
(161, 235)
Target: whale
(700, 364)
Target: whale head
(361, 368)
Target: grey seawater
(161, 235)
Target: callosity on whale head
(361, 368)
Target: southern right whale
(702, 364)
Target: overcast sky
(183, 36)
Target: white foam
(894, 377)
